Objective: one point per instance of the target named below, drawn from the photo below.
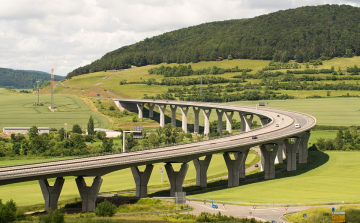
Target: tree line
(303, 34)
(345, 140)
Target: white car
(297, 125)
(277, 125)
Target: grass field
(18, 110)
(331, 177)
(115, 181)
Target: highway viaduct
(276, 137)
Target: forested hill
(10, 78)
(303, 34)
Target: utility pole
(38, 99)
(125, 131)
(52, 88)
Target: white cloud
(41, 34)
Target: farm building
(109, 132)
(24, 130)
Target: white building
(109, 132)
(24, 130)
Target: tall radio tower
(52, 88)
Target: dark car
(254, 137)
(278, 115)
(256, 165)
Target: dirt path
(94, 109)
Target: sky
(66, 34)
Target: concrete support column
(243, 157)
(141, 179)
(228, 121)
(291, 153)
(233, 167)
(263, 120)
(176, 178)
(280, 153)
(196, 120)
(269, 152)
(201, 167)
(173, 114)
(151, 110)
(245, 122)
(207, 121)
(140, 109)
(88, 194)
(51, 194)
(220, 116)
(303, 148)
(184, 111)
(162, 115)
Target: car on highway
(278, 115)
(277, 125)
(297, 125)
(256, 165)
(254, 137)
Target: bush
(105, 209)
(7, 211)
(52, 217)
(188, 135)
(134, 118)
(111, 108)
(100, 135)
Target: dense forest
(303, 34)
(15, 79)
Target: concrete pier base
(141, 179)
(176, 178)
(207, 113)
(151, 110)
(201, 167)
(162, 114)
(233, 167)
(268, 154)
(303, 148)
(173, 114)
(88, 194)
(242, 164)
(291, 148)
(51, 194)
(219, 124)
(184, 111)
(228, 121)
(196, 120)
(140, 110)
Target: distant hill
(26, 79)
(303, 34)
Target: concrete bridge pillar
(268, 154)
(263, 120)
(162, 115)
(280, 153)
(201, 167)
(151, 110)
(51, 194)
(184, 111)
(245, 122)
(233, 167)
(207, 113)
(303, 148)
(176, 178)
(220, 116)
(228, 121)
(142, 179)
(140, 107)
(173, 114)
(196, 120)
(88, 194)
(291, 153)
(243, 157)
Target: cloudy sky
(66, 34)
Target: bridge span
(277, 137)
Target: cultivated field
(18, 110)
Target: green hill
(302, 34)
(24, 79)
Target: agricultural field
(115, 181)
(18, 110)
(329, 177)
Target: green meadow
(329, 177)
(18, 110)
